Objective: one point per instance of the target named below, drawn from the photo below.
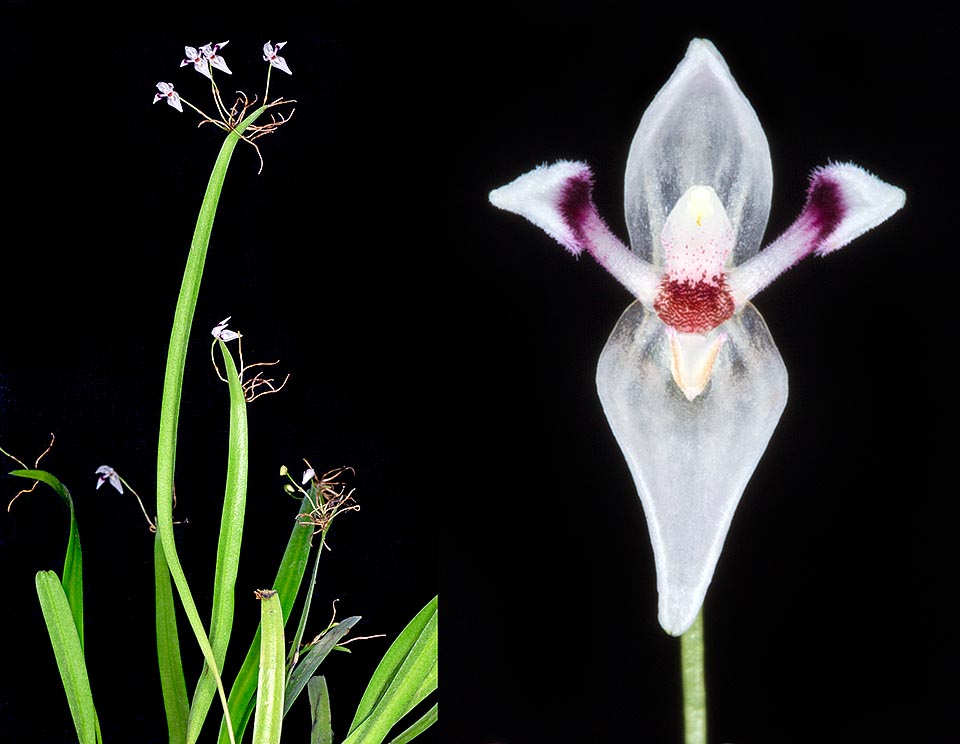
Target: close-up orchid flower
(690, 379)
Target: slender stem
(694, 687)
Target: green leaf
(320, 729)
(287, 583)
(73, 561)
(268, 719)
(414, 730)
(173, 387)
(405, 676)
(228, 547)
(172, 681)
(303, 671)
(69, 654)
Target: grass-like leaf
(73, 561)
(228, 547)
(303, 671)
(68, 652)
(414, 730)
(287, 583)
(268, 719)
(321, 731)
(172, 681)
(405, 676)
(173, 386)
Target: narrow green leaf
(409, 681)
(268, 719)
(73, 561)
(228, 547)
(287, 583)
(173, 386)
(172, 681)
(293, 653)
(321, 731)
(303, 671)
(414, 730)
(393, 660)
(69, 654)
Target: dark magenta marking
(693, 307)
(825, 207)
(576, 204)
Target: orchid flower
(690, 379)
(195, 58)
(209, 52)
(307, 476)
(271, 54)
(106, 474)
(168, 94)
(222, 333)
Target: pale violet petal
(558, 199)
(690, 459)
(699, 130)
(843, 202)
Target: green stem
(173, 385)
(694, 686)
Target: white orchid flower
(108, 474)
(222, 333)
(168, 94)
(690, 379)
(195, 58)
(271, 54)
(210, 54)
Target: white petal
(699, 129)
(115, 482)
(690, 459)
(174, 100)
(697, 237)
(843, 202)
(558, 200)
(307, 475)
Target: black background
(447, 351)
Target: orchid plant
(272, 676)
(690, 379)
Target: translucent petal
(690, 459)
(699, 130)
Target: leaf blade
(268, 719)
(68, 652)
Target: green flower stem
(172, 388)
(694, 687)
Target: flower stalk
(694, 684)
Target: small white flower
(271, 54)
(209, 52)
(107, 473)
(168, 94)
(307, 476)
(222, 333)
(196, 59)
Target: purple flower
(195, 58)
(106, 474)
(168, 94)
(210, 54)
(271, 55)
(222, 333)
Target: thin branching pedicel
(330, 496)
